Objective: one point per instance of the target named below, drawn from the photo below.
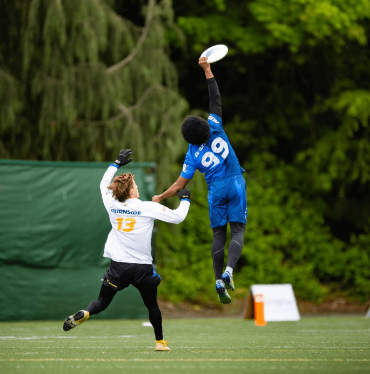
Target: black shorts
(120, 275)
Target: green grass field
(312, 345)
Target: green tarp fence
(53, 226)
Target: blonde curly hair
(121, 186)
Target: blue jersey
(216, 158)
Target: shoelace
(163, 343)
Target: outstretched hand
(156, 199)
(184, 194)
(122, 158)
(203, 62)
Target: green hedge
(286, 241)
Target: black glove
(122, 157)
(184, 194)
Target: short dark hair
(195, 130)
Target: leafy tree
(79, 80)
(295, 84)
(295, 92)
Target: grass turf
(312, 345)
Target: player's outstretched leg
(218, 251)
(149, 296)
(222, 293)
(75, 319)
(235, 249)
(105, 297)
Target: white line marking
(36, 337)
(190, 359)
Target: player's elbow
(178, 220)
(103, 188)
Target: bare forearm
(208, 73)
(172, 191)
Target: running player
(129, 245)
(211, 153)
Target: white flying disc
(215, 53)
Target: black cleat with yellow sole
(75, 319)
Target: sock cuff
(229, 270)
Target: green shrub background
(80, 80)
(286, 241)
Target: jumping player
(211, 153)
(129, 245)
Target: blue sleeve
(188, 169)
(215, 122)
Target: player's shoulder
(215, 122)
(214, 119)
(191, 151)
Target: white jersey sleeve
(158, 211)
(132, 223)
(106, 194)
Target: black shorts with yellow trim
(120, 275)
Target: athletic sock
(229, 270)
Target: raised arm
(122, 160)
(172, 191)
(215, 105)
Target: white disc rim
(219, 51)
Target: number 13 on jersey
(128, 226)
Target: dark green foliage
(184, 251)
(296, 102)
(286, 241)
(79, 81)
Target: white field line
(35, 337)
(64, 337)
(247, 349)
(336, 330)
(184, 360)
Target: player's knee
(237, 232)
(220, 231)
(237, 228)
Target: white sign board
(279, 300)
(368, 314)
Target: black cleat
(76, 319)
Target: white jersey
(132, 224)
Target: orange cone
(259, 315)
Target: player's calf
(75, 319)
